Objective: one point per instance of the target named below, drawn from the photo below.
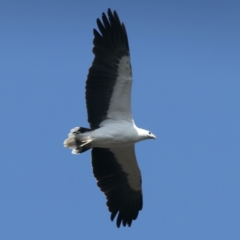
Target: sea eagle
(112, 133)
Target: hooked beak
(154, 137)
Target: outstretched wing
(119, 177)
(109, 81)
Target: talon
(85, 142)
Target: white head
(145, 134)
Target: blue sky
(186, 67)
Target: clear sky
(186, 67)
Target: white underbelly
(117, 135)
(111, 143)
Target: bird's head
(145, 134)
(150, 135)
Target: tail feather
(74, 140)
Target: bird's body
(112, 133)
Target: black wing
(119, 177)
(110, 46)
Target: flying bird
(112, 133)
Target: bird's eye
(149, 133)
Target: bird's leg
(85, 142)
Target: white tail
(74, 140)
